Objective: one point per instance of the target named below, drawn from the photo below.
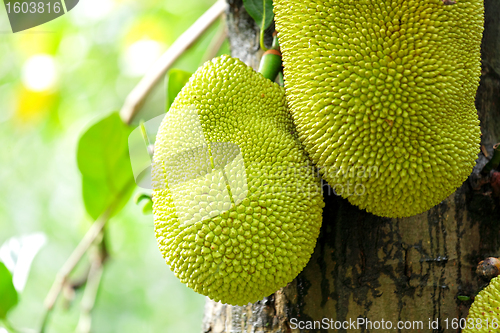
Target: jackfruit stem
(146, 138)
(276, 43)
(270, 64)
(261, 40)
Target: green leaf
(261, 11)
(8, 294)
(148, 208)
(174, 81)
(103, 160)
(463, 298)
(142, 197)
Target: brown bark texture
(364, 266)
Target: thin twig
(215, 45)
(137, 96)
(8, 325)
(70, 264)
(90, 294)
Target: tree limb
(215, 45)
(137, 96)
(70, 264)
(90, 294)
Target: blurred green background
(55, 81)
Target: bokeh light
(139, 56)
(39, 72)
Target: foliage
(261, 11)
(103, 160)
(97, 54)
(9, 294)
(175, 80)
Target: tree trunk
(364, 266)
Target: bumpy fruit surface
(382, 93)
(484, 314)
(237, 207)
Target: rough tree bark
(379, 268)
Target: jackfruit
(237, 205)
(484, 313)
(382, 94)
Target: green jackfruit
(484, 314)
(237, 207)
(382, 93)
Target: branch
(215, 45)
(137, 96)
(9, 326)
(69, 265)
(90, 294)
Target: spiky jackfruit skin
(484, 313)
(382, 93)
(237, 207)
